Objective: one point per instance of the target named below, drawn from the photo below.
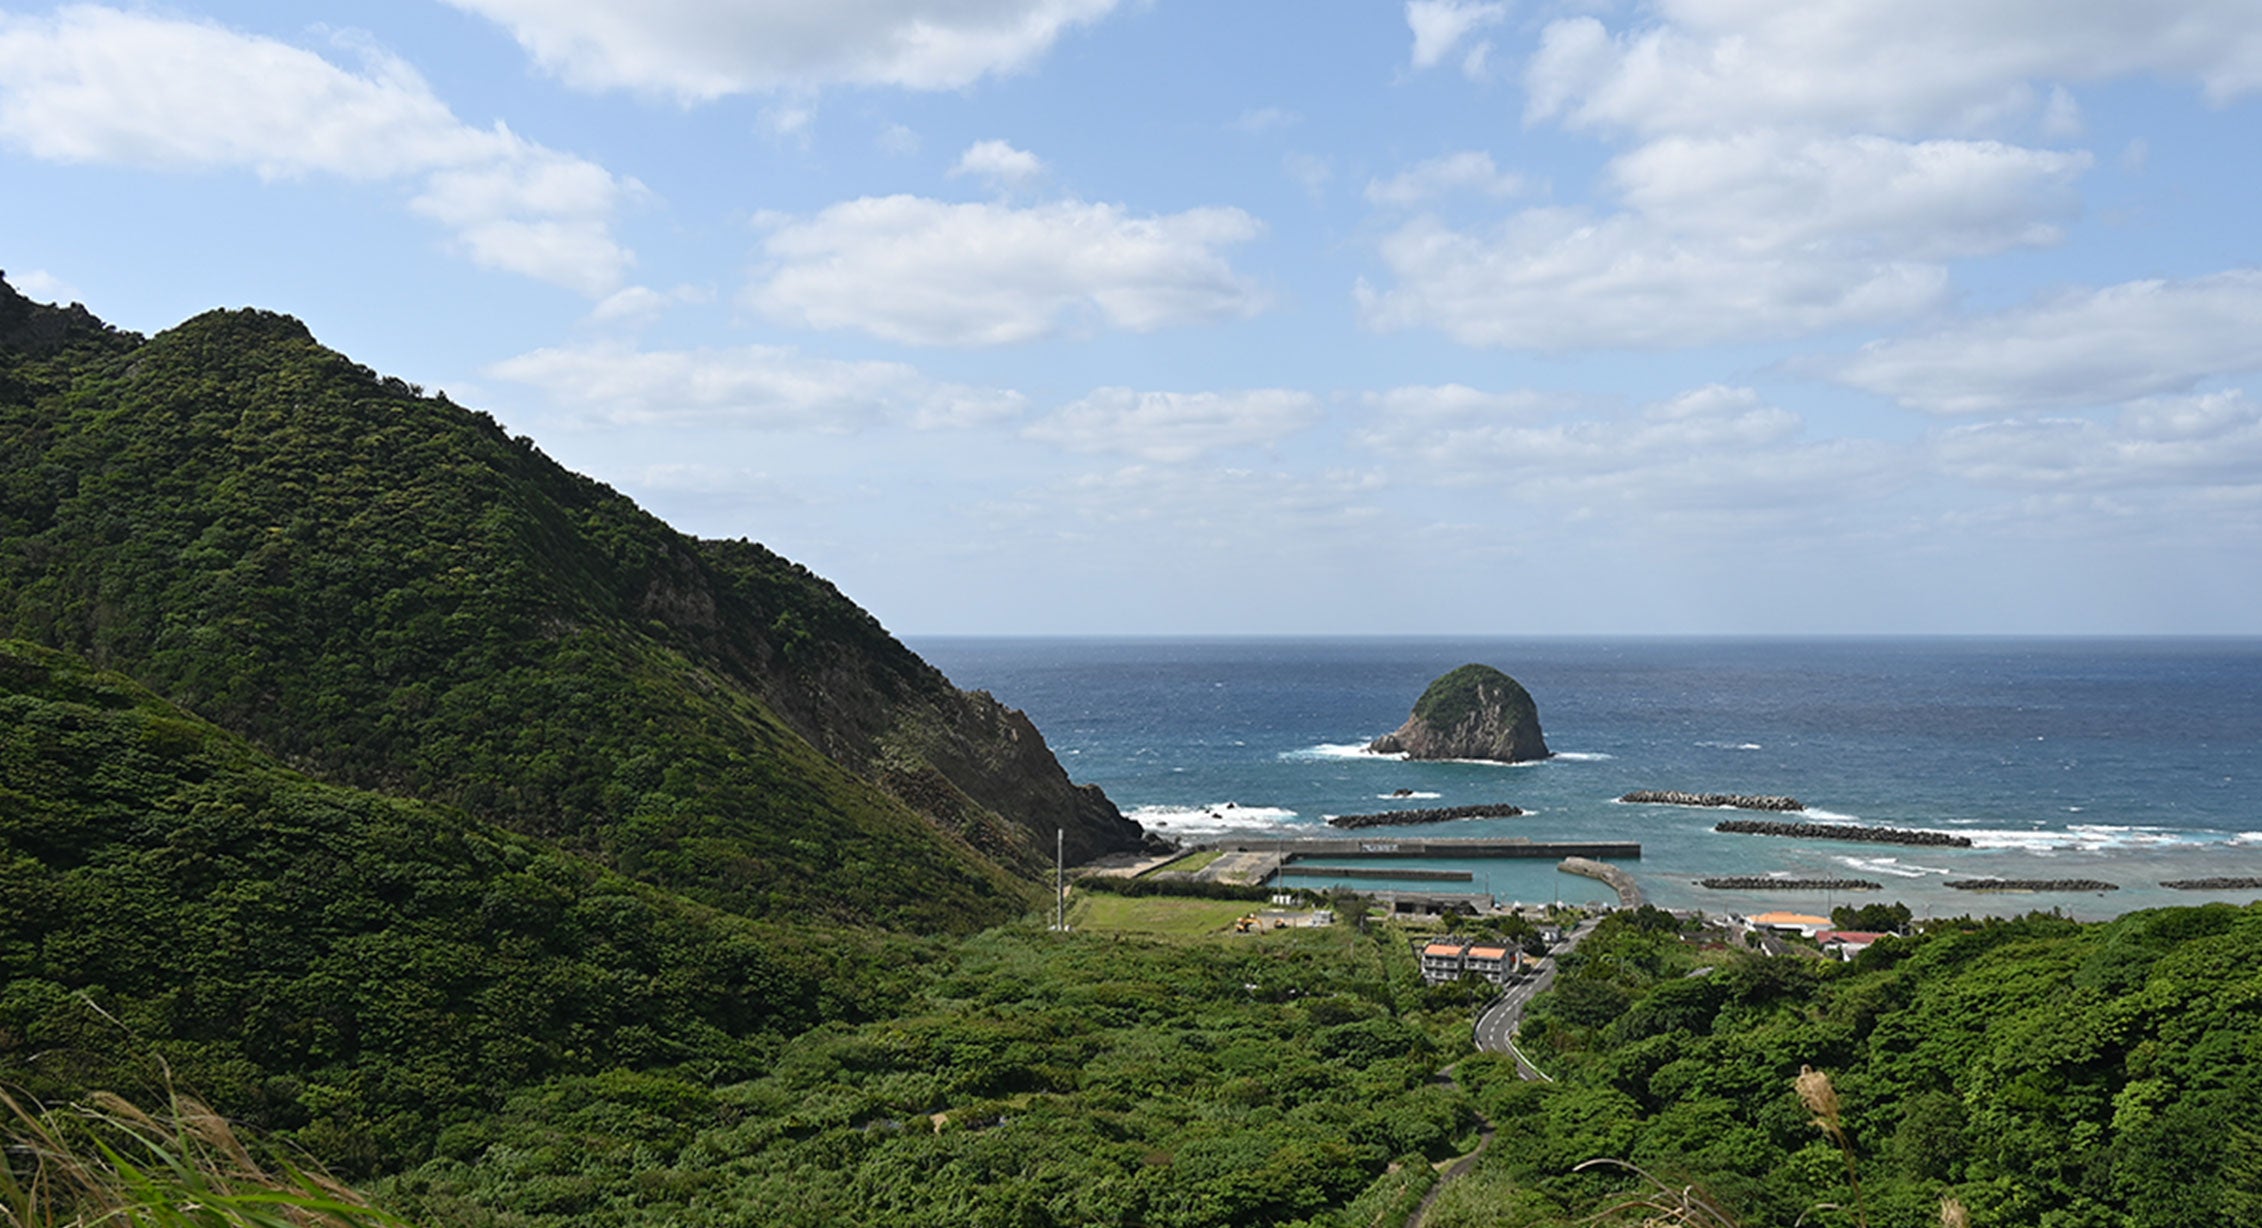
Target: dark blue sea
(2126, 761)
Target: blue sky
(1256, 316)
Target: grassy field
(1165, 916)
(1188, 864)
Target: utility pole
(1060, 878)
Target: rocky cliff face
(1474, 712)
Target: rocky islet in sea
(1473, 712)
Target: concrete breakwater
(1444, 848)
(1629, 892)
(1408, 874)
(2030, 884)
(1843, 831)
(1733, 801)
(2214, 884)
(1760, 882)
(1433, 814)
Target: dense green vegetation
(503, 1033)
(357, 974)
(1462, 694)
(1043, 1079)
(391, 592)
(2040, 1072)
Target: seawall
(1629, 892)
(1445, 848)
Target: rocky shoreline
(1844, 831)
(1433, 814)
(2214, 884)
(1760, 882)
(1733, 801)
(2030, 884)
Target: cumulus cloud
(930, 272)
(1715, 449)
(1913, 66)
(1917, 200)
(1420, 407)
(999, 163)
(1562, 279)
(1468, 171)
(637, 304)
(1759, 235)
(761, 386)
(2096, 347)
(2166, 443)
(1440, 25)
(97, 85)
(699, 52)
(1175, 426)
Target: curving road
(1496, 1027)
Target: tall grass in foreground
(109, 1162)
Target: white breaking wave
(1213, 818)
(1339, 750)
(1813, 815)
(1889, 866)
(1408, 797)
(1732, 745)
(1358, 750)
(2098, 837)
(1582, 756)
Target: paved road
(1496, 1027)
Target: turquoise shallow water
(2128, 761)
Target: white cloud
(2179, 443)
(1715, 449)
(1467, 171)
(1914, 200)
(929, 272)
(1440, 25)
(1259, 120)
(1898, 67)
(39, 285)
(999, 163)
(1420, 407)
(637, 304)
(97, 85)
(2098, 347)
(1561, 279)
(1175, 426)
(898, 140)
(762, 386)
(702, 51)
(1760, 235)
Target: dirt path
(1457, 1168)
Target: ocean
(2126, 761)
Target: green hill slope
(391, 592)
(357, 972)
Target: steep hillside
(358, 972)
(391, 592)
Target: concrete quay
(1443, 847)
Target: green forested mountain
(389, 591)
(357, 972)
